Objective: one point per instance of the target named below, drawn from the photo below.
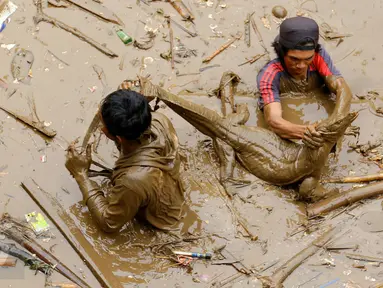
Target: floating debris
(279, 12)
(182, 9)
(21, 65)
(125, 38)
(266, 22)
(8, 46)
(37, 222)
(145, 42)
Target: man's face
(298, 61)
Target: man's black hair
(126, 113)
(281, 51)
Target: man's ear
(119, 139)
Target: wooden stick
(54, 55)
(182, 9)
(364, 258)
(42, 17)
(222, 48)
(252, 60)
(345, 198)
(171, 41)
(276, 280)
(98, 10)
(247, 30)
(356, 179)
(68, 228)
(96, 118)
(49, 132)
(36, 249)
(192, 34)
(255, 28)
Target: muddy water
(62, 97)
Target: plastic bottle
(125, 38)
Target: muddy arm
(282, 127)
(111, 212)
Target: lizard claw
(352, 131)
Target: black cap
(297, 29)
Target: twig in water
(356, 179)
(38, 125)
(192, 34)
(279, 276)
(97, 10)
(252, 60)
(247, 30)
(364, 258)
(171, 41)
(223, 47)
(311, 279)
(42, 17)
(54, 55)
(352, 51)
(260, 39)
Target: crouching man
(145, 181)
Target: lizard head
(335, 127)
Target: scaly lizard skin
(262, 152)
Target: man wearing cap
(302, 66)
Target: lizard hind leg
(226, 156)
(311, 190)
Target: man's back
(145, 183)
(152, 171)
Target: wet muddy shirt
(273, 79)
(145, 183)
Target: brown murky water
(63, 97)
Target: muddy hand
(312, 138)
(78, 163)
(133, 85)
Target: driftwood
(222, 48)
(276, 280)
(42, 17)
(345, 198)
(68, 228)
(356, 179)
(182, 9)
(260, 39)
(97, 10)
(33, 247)
(28, 259)
(38, 125)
